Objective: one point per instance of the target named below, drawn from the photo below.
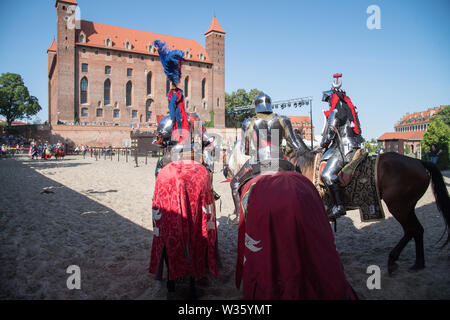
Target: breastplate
(265, 139)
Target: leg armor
(330, 178)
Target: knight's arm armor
(330, 133)
(245, 139)
(289, 135)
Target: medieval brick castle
(103, 75)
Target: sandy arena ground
(98, 216)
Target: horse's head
(234, 160)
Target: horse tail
(440, 194)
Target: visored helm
(164, 131)
(327, 95)
(263, 103)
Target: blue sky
(288, 49)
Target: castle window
(107, 69)
(129, 72)
(99, 113)
(149, 83)
(134, 114)
(96, 52)
(83, 50)
(108, 42)
(83, 91)
(187, 105)
(148, 113)
(186, 87)
(218, 102)
(108, 53)
(116, 113)
(127, 45)
(204, 105)
(84, 67)
(167, 86)
(150, 48)
(107, 92)
(84, 112)
(129, 90)
(82, 38)
(130, 56)
(203, 88)
(187, 54)
(201, 56)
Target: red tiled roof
(418, 117)
(215, 26)
(96, 34)
(409, 135)
(299, 120)
(52, 46)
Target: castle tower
(215, 48)
(63, 109)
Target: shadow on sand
(43, 234)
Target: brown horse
(402, 181)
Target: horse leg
(395, 253)
(170, 283)
(418, 239)
(412, 229)
(192, 289)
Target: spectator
(434, 153)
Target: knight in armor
(341, 139)
(262, 137)
(177, 131)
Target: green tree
(15, 100)
(444, 115)
(438, 134)
(239, 98)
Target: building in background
(409, 131)
(303, 123)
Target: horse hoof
(171, 286)
(392, 267)
(415, 268)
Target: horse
(59, 153)
(46, 154)
(401, 181)
(286, 248)
(184, 224)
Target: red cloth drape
(286, 248)
(184, 220)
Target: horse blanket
(184, 221)
(359, 180)
(286, 248)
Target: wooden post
(136, 157)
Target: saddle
(359, 182)
(347, 172)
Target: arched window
(204, 89)
(167, 86)
(84, 90)
(107, 92)
(186, 87)
(149, 83)
(148, 112)
(128, 93)
(218, 101)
